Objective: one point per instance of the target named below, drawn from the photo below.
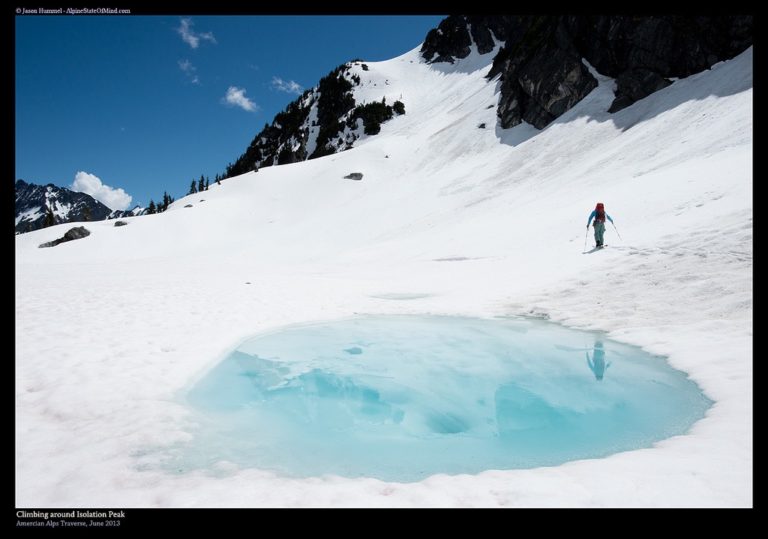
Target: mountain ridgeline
(540, 64)
(542, 67)
(322, 121)
(38, 206)
(540, 70)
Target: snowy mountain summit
(472, 199)
(541, 63)
(33, 202)
(61, 205)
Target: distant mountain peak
(322, 121)
(33, 202)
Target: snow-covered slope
(478, 221)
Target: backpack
(600, 212)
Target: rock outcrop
(540, 64)
(74, 233)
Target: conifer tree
(50, 219)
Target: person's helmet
(599, 206)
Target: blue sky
(139, 103)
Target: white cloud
(114, 199)
(289, 87)
(186, 66)
(236, 96)
(190, 37)
(189, 70)
(208, 36)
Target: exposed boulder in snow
(354, 176)
(74, 233)
(120, 223)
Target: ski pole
(586, 235)
(617, 231)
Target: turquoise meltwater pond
(400, 398)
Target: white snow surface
(110, 328)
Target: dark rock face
(672, 46)
(75, 233)
(540, 65)
(542, 76)
(640, 52)
(454, 35)
(635, 84)
(32, 201)
(448, 41)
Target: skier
(599, 215)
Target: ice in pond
(404, 397)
